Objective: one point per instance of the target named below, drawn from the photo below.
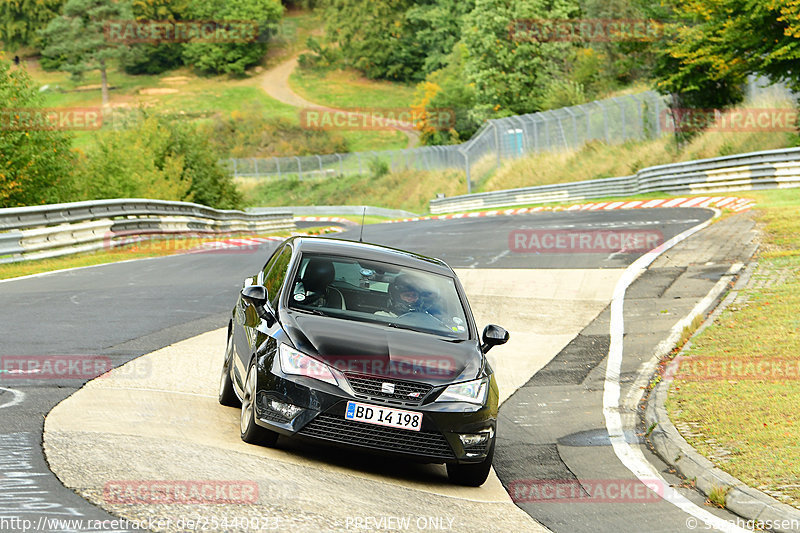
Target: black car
(366, 347)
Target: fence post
(469, 174)
(574, 126)
(341, 168)
(496, 141)
(657, 110)
(255, 167)
(640, 108)
(235, 174)
(299, 168)
(278, 165)
(321, 172)
(360, 169)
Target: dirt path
(275, 83)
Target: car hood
(377, 350)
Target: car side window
(273, 280)
(271, 261)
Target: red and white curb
(251, 242)
(732, 203)
(345, 221)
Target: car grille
(405, 392)
(333, 428)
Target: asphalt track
(125, 310)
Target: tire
(471, 475)
(227, 396)
(251, 432)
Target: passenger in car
(316, 286)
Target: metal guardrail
(756, 170)
(323, 210)
(61, 229)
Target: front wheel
(471, 475)
(251, 432)
(226, 394)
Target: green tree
(20, 20)
(35, 164)
(231, 57)
(444, 91)
(511, 72)
(436, 28)
(155, 58)
(710, 48)
(76, 39)
(374, 37)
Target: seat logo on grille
(387, 388)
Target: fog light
(474, 439)
(286, 409)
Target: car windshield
(357, 289)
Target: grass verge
(753, 418)
(349, 88)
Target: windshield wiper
(311, 311)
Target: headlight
(469, 391)
(299, 364)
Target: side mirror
(256, 295)
(493, 336)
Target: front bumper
(321, 418)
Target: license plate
(383, 416)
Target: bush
(157, 159)
(249, 133)
(378, 167)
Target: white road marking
(630, 456)
(19, 396)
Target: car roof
(375, 252)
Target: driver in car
(408, 295)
